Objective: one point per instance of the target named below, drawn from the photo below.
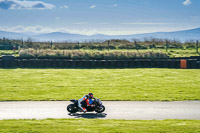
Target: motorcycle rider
(86, 100)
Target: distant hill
(59, 36)
(12, 35)
(192, 34)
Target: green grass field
(107, 84)
(9, 52)
(95, 126)
(179, 52)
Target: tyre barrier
(137, 63)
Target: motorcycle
(98, 106)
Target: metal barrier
(10, 62)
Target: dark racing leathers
(83, 102)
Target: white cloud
(115, 5)
(144, 23)
(38, 29)
(187, 2)
(17, 4)
(65, 6)
(21, 29)
(92, 6)
(195, 17)
(87, 31)
(103, 23)
(79, 23)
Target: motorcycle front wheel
(72, 108)
(100, 109)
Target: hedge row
(92, 54)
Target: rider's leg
(82, 108)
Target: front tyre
(100, 109)
(72, 108)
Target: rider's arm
(87, 101)
(83, 98)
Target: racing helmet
(90, 95)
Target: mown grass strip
(107, 84)
(99, 126)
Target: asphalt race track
(130, 110)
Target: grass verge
(9, 52)
(96, 125)
(107, 84)
(93, 54)
(111, 54)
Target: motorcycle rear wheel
(100, 109)
(72, 108)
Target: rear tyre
(100, 109)
(72, 108)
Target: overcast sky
(111, 17)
